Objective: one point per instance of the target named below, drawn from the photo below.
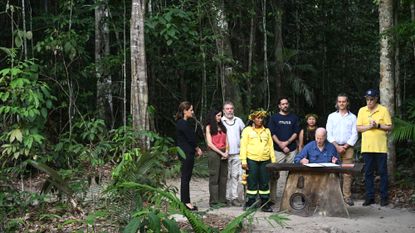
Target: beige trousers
(347, 158)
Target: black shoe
(384, 202)
(267, 208)
(368, 202)
(249, 203)
(194, 208)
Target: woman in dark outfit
(307, 134)
(186, 140)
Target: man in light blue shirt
(342, 133)
(318, 151)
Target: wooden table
(313, 190)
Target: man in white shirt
(234, 127)
(342, 133)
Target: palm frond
(233, 225)
(300, 87)
(403, 130)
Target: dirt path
(362, 219)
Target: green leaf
(18, 41)
(16, 134)
(171, 226)
(154, 222)
(44, 112)
(133, 226)
(29, 35)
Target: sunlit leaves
(24, 104)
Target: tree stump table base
(314, 190)
(309, 193)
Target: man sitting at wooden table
(318, 151)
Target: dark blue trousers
(376, 161)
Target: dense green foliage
(49, 84)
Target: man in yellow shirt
(374, 122)
(256, 152)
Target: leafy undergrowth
(99, 215)
(212, 220)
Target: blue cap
(372, 93)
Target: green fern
(197, 224)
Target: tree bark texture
(279, 63)
(386, 86)
(230, 86)
(102, 50)
(139, 86)
(266, 76)
(397, 68)
(413, 20)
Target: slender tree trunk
(397, 69)
(24, 29)
(387, 87)
(230, 86)
(124, 66)
(266, 76)
(102, 50)
(203, 109)
(139, 86)
(413, 20)
(279, 63)
(250, 58)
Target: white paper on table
(329, 164)
(313, 165)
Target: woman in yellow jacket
(256, 152)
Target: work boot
(249, 203)
(368, 202)
(267, 208)
(384, 202)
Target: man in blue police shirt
(318, 151)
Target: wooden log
(309, 194)
(314, 190)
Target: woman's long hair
(214, 125)
(185, 105)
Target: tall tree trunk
(397, 69)
(124, 65)
(230, 86)
(279, 63)
(139, 86)
(102, 50)
(413, 20)
(24, 29)
(250, 58)
(266, 76)
(387, 88)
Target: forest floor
(399, 216)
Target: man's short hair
(283, 98)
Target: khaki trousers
(347, 158)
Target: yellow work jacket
(256, 144)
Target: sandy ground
(362, 219)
